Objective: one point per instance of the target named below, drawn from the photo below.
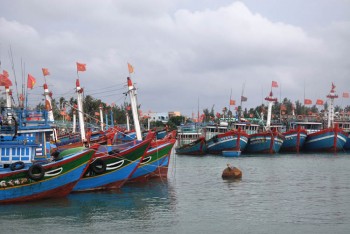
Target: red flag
(31, 82)
(45, 71)
(5, 73)
(131, 68)
(81, 67)
(274, 84)
(128, 108)
(232, 102)
(307, 102)
(319, 102)
(5, 81)
(346, 95)
(218, 115)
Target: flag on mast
(31, 81)
(319, 102)
(274, 84)
(45, 71)
(130, 68)
(307, 102)
(81, 67)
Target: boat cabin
(26, 137)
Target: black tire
(17, 165)
(56, 156)
(36, 172)
(98, 166)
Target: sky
(187, 54)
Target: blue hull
(198, 147)
(217, 145)
(347, 144)
(98, 182)
(57, 179)
(326, 140)
(264, 143)
(41, 187)
(144, 170)
(292, 143)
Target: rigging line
(14, 71)
(109, 87)
(93, 93)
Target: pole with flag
(81, 67)
(130, 69)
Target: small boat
(231, 153)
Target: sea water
(294, 193)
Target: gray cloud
(180, 52)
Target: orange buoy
(231, 173)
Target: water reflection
(134, 207)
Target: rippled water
(277, 194)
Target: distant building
(174, 113)
(159, 116)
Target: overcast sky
(182, 51)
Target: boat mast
(74, 119)
(101, 117)
(48, 104)
(331, 96)
(132, 94)
(270, 99)
(79, 91)
(8, 103)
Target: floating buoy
(231, 173)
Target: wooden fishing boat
(330, 139)
(28, 170)
(112, 166)
(156, 155)
(269, 140)
(190, 140)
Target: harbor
(175, 116)
(285, 194)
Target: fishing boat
(231, 153)
(329, 139)
(343, 122)
(268, 141)
(114, 164)
(294, 139)
(190, 140)
(29, 170)
(155, 157)
(230, 140)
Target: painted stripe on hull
(262, 144)
(325, 142)
(43, 188)
(226, 143)
(103, 181)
